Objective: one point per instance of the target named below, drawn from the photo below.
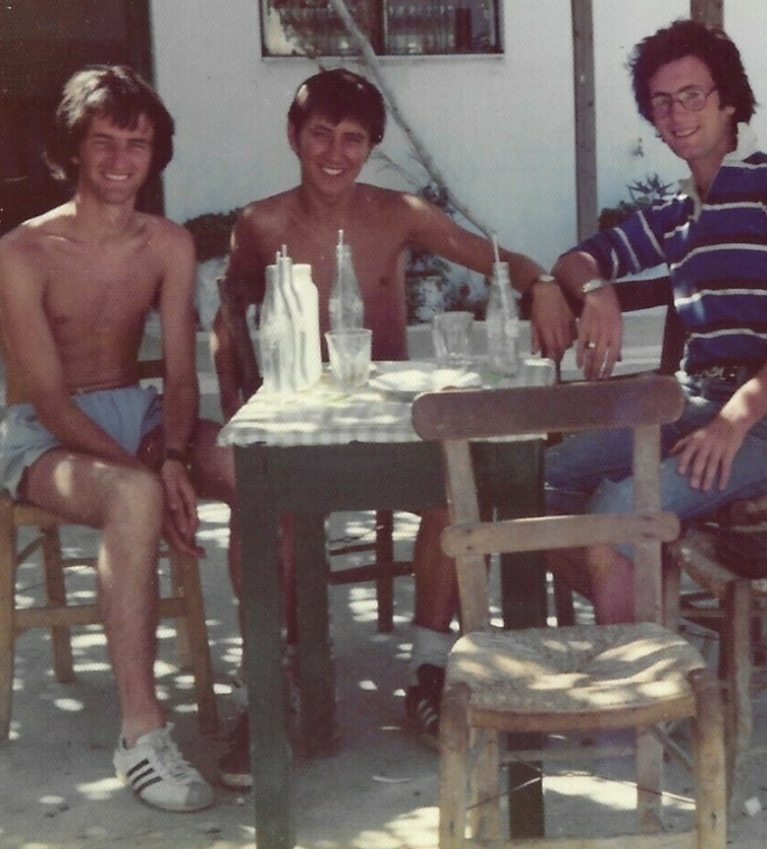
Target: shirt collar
(747, 145)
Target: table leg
(270, 759)
(316, 671)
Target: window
(393, 27)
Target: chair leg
(7, 604)
(56, 593)
(735, 667)
(454, 734)
(649, 778)
(484, 786)
(384, 554)
(709, 761)
(186, 579)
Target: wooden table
(315, 454)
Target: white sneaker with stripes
(159, 775)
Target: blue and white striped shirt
(716, 253)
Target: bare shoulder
(268, 212)
(265, 220)
(402, 207)
(166, 233)
(23, 249)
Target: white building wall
(500, 128)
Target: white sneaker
(160, 776)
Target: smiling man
(80, 436)
(689, 82)
(334, 122)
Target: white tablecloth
(324, 416)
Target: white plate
(408, 379)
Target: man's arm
(706, 455)
(243, 264)
(600, 328)
(553, 325)
(181, 396)
(33, 364)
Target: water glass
(451, 334)
(349, 352)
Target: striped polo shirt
(716, 253)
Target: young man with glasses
(689, 82)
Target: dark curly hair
(711, 45)
(117, 92)
(340, 94)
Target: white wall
(499, 128)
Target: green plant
(642, 193)
(211, 233)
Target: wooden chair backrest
(455, 417)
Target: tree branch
(370, 60)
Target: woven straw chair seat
(578, 669)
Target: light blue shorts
(590, 472)
(127, 414)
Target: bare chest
(96, 293)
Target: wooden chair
(581, 678)
(236, 297)
(184, 601)
(729, 600)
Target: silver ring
(591, 345)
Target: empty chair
(580, 679)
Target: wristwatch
(594, 284)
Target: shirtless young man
(80, 436)
(334, 122)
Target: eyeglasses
(693, 98)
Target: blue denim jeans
(590, 472)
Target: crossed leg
(126, 504)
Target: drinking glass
(451, 334)
(349, 353)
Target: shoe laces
(170, 761)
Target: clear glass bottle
(270, 333)
(345, 305)
(502, 323)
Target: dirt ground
(57, 789)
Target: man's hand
(600, 334)
(180, 521)
(552, 324)
(706, 455)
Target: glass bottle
(269, 334)
(502, 323)
(345, 306)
